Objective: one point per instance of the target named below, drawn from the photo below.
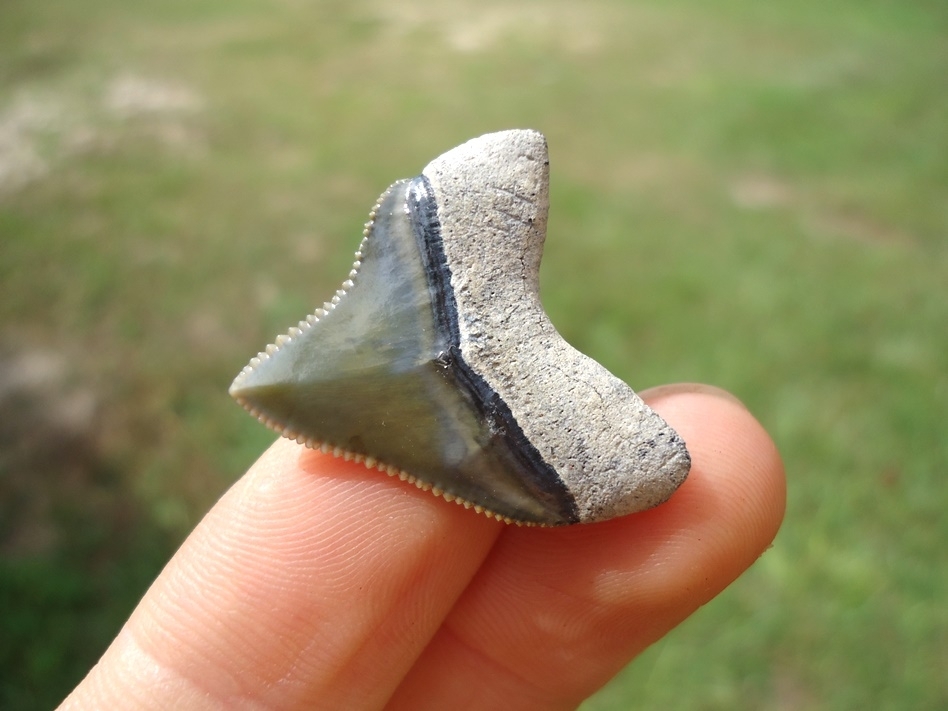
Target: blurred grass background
(749, 194)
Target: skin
(316, 583)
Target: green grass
(749, 194)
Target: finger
(313, 583)
(554, 614)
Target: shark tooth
(436, 362)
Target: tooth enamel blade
(376, 376)
(437, 361)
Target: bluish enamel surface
(380, 375)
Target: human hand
(317, 583)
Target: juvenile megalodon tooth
(435, 360)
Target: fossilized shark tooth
(436, 362)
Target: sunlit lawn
(749, 194)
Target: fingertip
(737, 484)
(554, 613)
(672, 390)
